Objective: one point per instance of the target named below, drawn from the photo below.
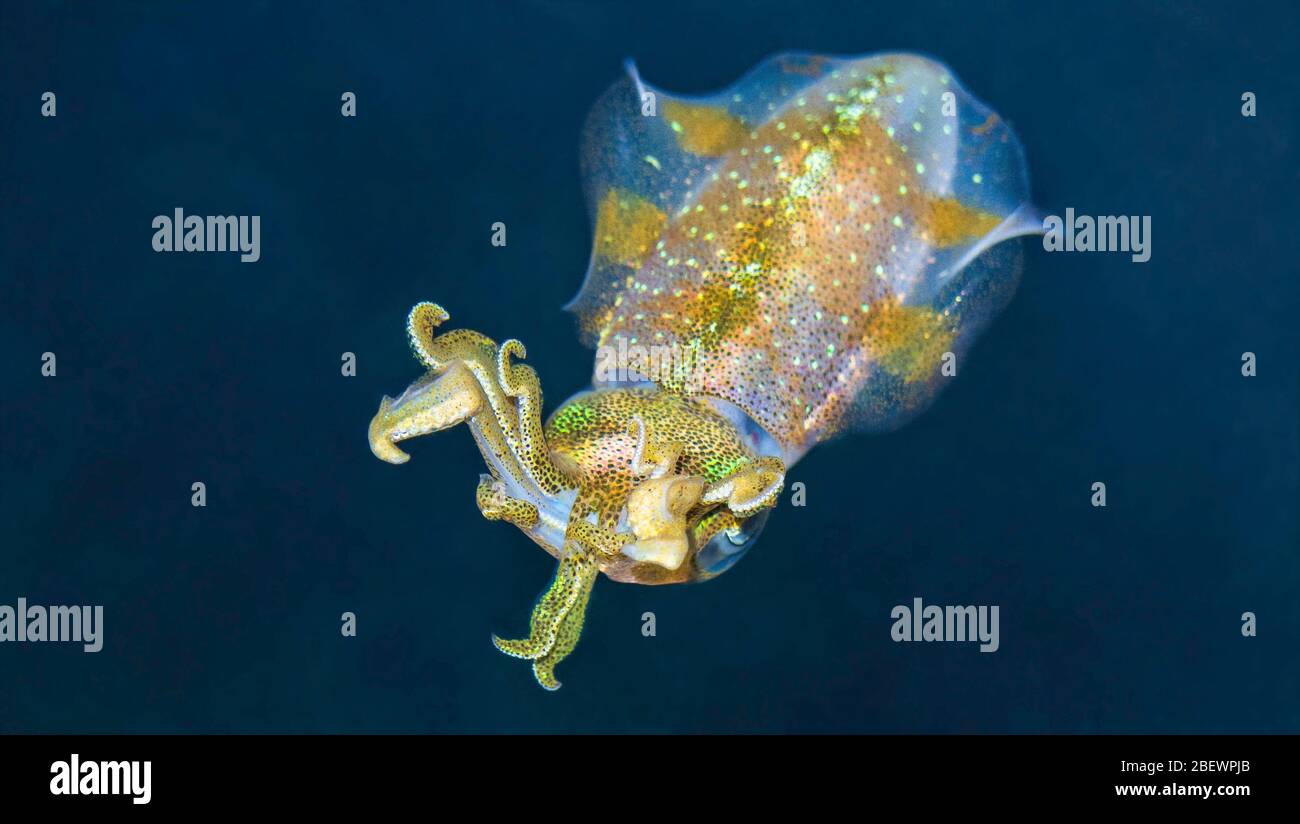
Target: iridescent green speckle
(573, 418)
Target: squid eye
(726, 548)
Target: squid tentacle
(569, 630)
(475, 350)
(512, 391)
(750, 489)
(597, 539)
(497, 506)
(520, 381)
(551, 620)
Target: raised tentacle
(520, 382)
(475, 350)
(421, 323)
(512, 392)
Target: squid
(803, 254)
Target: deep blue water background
(177, 368)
